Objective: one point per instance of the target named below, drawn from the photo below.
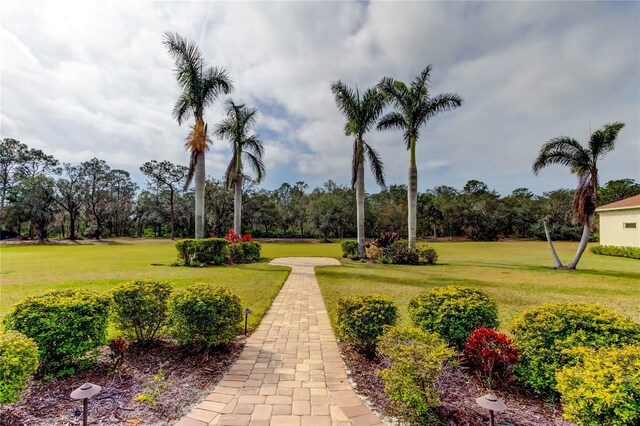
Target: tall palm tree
(413, 107)
(245, 148)
(583, 162)
(200, 87)
(361, 113)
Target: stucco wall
(612, 231)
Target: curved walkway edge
(290, 371)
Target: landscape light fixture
(491, 403)
(85, 392)
(246, 311)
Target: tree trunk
(173, 216)
(72, 227)
(551, 247)
(412, 200)
(199, 184)
(360, 207)
(237, 205)
(586, 231)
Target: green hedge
(618, 251)
(244, 252)
(205, 315)
(603, 388)
(416, 359)
(18, 362)
(140, 308)
(547, 334)
(65, 324)
(202, 251)
(361, 319)
(453, 312)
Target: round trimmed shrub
(205, 315)
(546, 334)
(603, 388)
(453, 312)
(18, 362)
(65, 324)
(140, 308)
(416, 359)
(361, 319)
(350, 249)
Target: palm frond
(198, 138)
(347, 101)
(603, 140)
(256, 164)
(565, 151)
(584, 201)
(441, 103)
(355, 162)
(377, 168)
(420, 85)
(192, 170)
(182, 109)
(392, 120)
(230, 174)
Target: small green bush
(361, 320)
(202, 251)
(427, 255)
(619, 251)
(416, 358)
(251, 250)
(453, 312)
(65, 324)
(603, 388)
(236, 253)
(140, 308)
(205, 315)
(18, 362)
(545, 335)
(349, 249)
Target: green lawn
(516, 274)
(34, 269)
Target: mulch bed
(458, 393)
(188, 377)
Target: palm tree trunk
(237, 205)
(551, 247)
(586, 231)
(173, 215)
(199, 184)
(412, 200)
(360, 208)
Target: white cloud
(85, 79)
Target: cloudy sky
(92, 79)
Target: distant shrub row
(58, 330)
(587, 354)
(216, 251)
(618, 251)
(388, 249)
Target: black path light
(85, 392)
(246, 311)
(491, 403)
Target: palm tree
(583, 162)
(245, 148)
(200, 86)
(413, 107)
(361, 114)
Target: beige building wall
(613, 231)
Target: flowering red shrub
(247, 238)
(232, 237)
(212, 234)
(491, 356)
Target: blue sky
(85, 79)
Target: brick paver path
(290, 371)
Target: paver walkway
(290, 371)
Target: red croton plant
(490, 354)
(234, 238)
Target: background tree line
(40, 197)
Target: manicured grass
(27, 270)
(516, 273)
(315, 249)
